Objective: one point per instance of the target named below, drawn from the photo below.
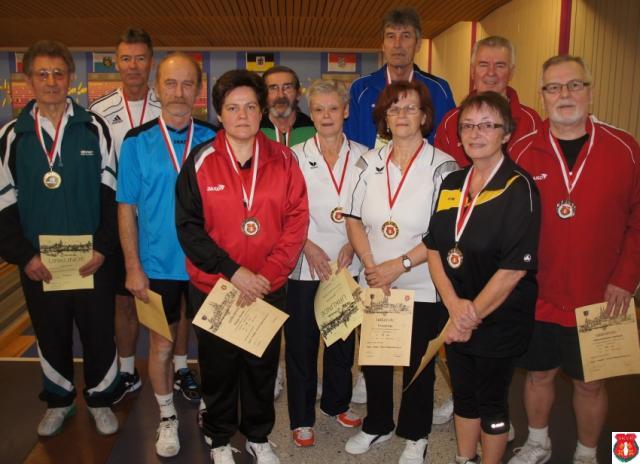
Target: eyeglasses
(482, 126)
(410, 110)
(575, 85)
(43, 74)
(286, 88)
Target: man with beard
(284, 122)
(587, 173)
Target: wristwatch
(406, 263)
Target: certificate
(152, 315)
(608, 346)
(432, 349)
(385, 336)
(335, 308)
(64, 255)
(251, 328)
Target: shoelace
(304, 433)
(529, 449)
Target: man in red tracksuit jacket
(492, 64)
(588, 174)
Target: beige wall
(607, 35)
(450, 58)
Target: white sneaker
(167, 441)
(262, 453)
(443, 413)
(223, 454)
(279, 383)
(415, 452)
(531, 453)
(106, 420)
(53, 420)
(512, 433)
(581, 459)
(362, 442)
(464, 460)
(359, 392)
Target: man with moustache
(124, 109)
(588, 175)
(401, 33)
(150, 161)
(284, 122)
(493, 62)
(57, 177)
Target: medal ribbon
(464, 212)
(389, 76)
(337, 186)
(57, 140)
(248, 201)
(169, 144)
(144, 107)
(286, 135)
(392, 200)
(563, 165)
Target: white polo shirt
(323, 197)
(113, 109)
(368, 201)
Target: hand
(384, 274)
(463, 314)
(137, 283)
(37, 271)
(318, 261)
(251, 286)
(453, 334)
(345, 257)
(90, 267)
(617, 301)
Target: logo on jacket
(527, 258)
(379, 170)
(87, 153)
(116, 120)
(313, 164)
(215, 188)
(542, 176)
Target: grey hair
(494, 41)
(328, 86)
(559, 59)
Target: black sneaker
(184, 380)
(130, 383)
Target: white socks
(582, 450)
(179, 362)
(127, 364)
(165, 402)
(540, 436)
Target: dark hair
(238, 78)
(402, 17)
(50, 48)
(187, 57)
(282, 69)
(134, 36)
(493, 101)
(391, 94)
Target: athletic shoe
(304, 436)
(362, 442)
(223, 454)
(167, 440)
(130, 383)
(531, 453)
(512, 433)
(106, 420)
(262, 453)
(184, 380)
(348, 419)
(443, 413)
(581, 459)
(359, 392)
(202, 408)
(464, 460)
(415, 452)
(279, 383)
(53, 420)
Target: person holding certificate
(241, 215)
(482, 246)
(388, 208)
(327, 160)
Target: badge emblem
(390, 230)
(454, 258)
(336, 215)
(250, 227)
(566, 209)
(52, 180)
(625, 448)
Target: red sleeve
(295, 224)
(447, 138)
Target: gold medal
(390, 230)
(566, 209)
(52, 180)
(250, 227)
(336, 215)
(454, 257)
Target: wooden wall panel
(607, 35)
(450, 58)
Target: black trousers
(416, 406)
(301, 350)
(52, 316)
(237, 387)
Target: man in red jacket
(493, 62)
(588, 174)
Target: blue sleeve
(129, 173)
(351, 124)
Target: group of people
(501, 224)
